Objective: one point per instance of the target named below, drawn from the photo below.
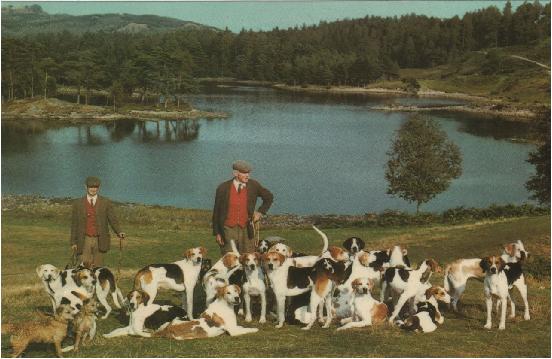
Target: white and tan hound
(218, 318)
(365, 310)
(180, 276)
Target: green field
(31, 237)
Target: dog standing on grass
(84, 324)
(44, 329)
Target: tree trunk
(78, 95)
(418, 204)
(46, 85)
(32, 83)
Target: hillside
(18, 22)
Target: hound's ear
(238, 289)
(429, 292)
(145, 298)
(203, 251)
(76, 278)
(348, 242)
(290, 252)
(501, 263)
(281, 258)
(38, 270)
(189, 253)
(228, 260)
(370, 284)
(243, 258)
(404, 251)
(258, 256)
(510, 249)
(220, 291)
(485, 264)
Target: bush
(538, 267)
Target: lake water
(317, 154)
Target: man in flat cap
(234, 210)
(90, 236)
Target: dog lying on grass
(217, 319)
(44, 329)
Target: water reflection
(168, 131)
(20, 137)
(491, 127)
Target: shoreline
(58, 111)
(30, 204)
(478, 105)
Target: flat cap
(92, 181)
(242, 166)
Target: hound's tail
(234, 248)
(324, 237)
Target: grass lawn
(31, 240)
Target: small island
(63, 112)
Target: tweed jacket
(222, 198)
(104, 216)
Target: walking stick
(257, 226)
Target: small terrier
(44, 329)
(84, 324)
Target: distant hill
(20, 21)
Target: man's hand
(257, 216)
(121, 235)
(219, 239)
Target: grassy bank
(37, 233)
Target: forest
(351, 52)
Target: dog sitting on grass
(44, 329)
(84, 324)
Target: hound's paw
(502, 327)
(526, 316)
(248, 319)
(488, 326)
(278, 326)
(262, 320)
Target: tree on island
(423, 161)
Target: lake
(316, 153)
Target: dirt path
(528, 60)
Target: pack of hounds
(335, 286)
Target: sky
(264, 15)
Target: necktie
(239, 188)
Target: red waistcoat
(91, 229)
(237, 208)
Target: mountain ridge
(30, 20)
